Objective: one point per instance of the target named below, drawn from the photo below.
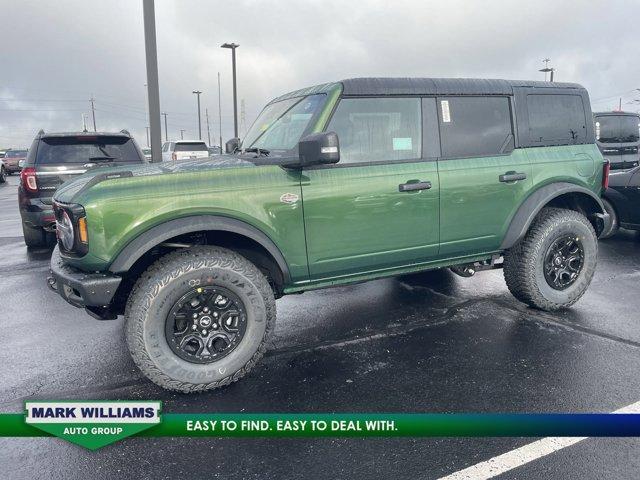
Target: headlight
(64, 230)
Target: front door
(378, 208)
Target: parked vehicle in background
(3, 174)
(184, 150)
(12, 160)
(622, 200)
(147, 154)
(335, 184)
(57, 157)
(618, 137)
(215, 150)
(3, 153)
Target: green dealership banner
(99, 423)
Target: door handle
(413, 186)
(512, 177)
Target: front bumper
(91, 291)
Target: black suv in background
(55, 158)
(618, 138)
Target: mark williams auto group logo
(92, 424)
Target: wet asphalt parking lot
(432, 342)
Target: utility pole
(620, 105)
(233, 47)
(219, 113)
(197, 93)
(147, 129)
(206, 113)
(84, 122)
(166, 131)
(153, 88)
(182, 130)
(93, 112)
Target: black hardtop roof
(615, 113)
(442, 86)
(425, 86)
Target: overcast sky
(55, 55)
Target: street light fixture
(197, 93)
(233, 47)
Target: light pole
(197, 93)
(233, 47)
(547, 69)
(153, 90)
(219, 113)
(166, 131)
(206, 114)
(182, 130)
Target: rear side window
(191, 147)
(475, 126)
(556, 119)
(55, 150)
(378, 129)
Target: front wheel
(199, 318)
(552, 266)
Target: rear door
(483, 179)
(377, 209)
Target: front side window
(556, 118)
(378, 129)
(281, 124)
(475, 126)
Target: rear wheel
(615, 225)
(34, 237)
(3, 175)
(552, 266)
(199, 318)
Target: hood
(68, 190)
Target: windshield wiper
(103, 158)
(259, 151)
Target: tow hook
(52, 283)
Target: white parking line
(521, 456)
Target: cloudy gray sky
(55, 55)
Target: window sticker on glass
(446, 115)
(402, 143)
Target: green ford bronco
(334, 184)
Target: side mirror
(232, 145)
(319, 148)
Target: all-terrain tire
(166, 281)
(615, 222)
(524, 262)
(34, 237)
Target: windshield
(281, 124)
(87, 149)
(16, 154)
(618, 128)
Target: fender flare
(525, 214)
(144, 242)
